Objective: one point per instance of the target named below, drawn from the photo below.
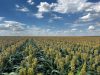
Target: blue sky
(50, 17)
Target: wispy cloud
(22, 9)
(56, 17)
(38, 15)
(89, 17)
(74, 29)
(12, 25)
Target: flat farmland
(50, 55)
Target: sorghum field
(49, 55)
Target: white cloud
(56, 17)
(89, 17)
(76, 25)
(30, 2)
(15, 28)
(12, 25)
(93, 12)
(74, 29)
(86, 17)
(44, 7)
(33, 30)
(67, 6)
(71, 6)
(22, 9)
(38, 31)
(63, 6)
(39, 15)
(91, 28)
(17, 6)
(95, 7)
(3, 27)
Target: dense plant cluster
(51, 56)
